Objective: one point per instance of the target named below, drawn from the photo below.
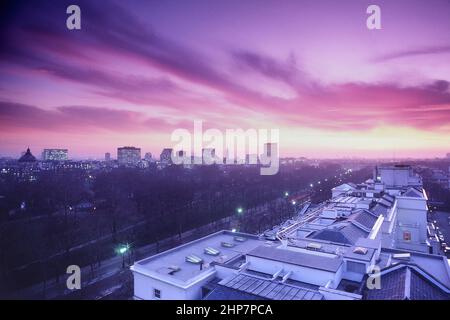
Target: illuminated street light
(239, 210)
(293, 202)
(122, 250)
(311, 185)
(286, 194)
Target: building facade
(128, 156)
(166, 156)
(55, 155)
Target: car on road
(447, 251)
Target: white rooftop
(161, 264)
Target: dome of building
(27, 157)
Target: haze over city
(132, 76)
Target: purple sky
(135, 72)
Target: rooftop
(163, 264)
(406, 283)
(345, 233)
(326, 263)
(436, 266)
(248, 287)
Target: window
(157, 293)
(406, 235)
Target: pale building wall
(144, 288)
(299, 273)
(411, 222)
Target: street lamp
(286, 194)
(122, 250)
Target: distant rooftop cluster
(328, 251)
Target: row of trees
(129, 205)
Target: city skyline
(312, 69)
(113, 155)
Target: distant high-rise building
(128, 156)
(166, 156)
(396, 175)
(148, 156)
(269, 148)
(448, 155)
(107, 156)
(55, 154)
(208, 155)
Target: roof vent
(402, 256)
(192, 258)
(211, 251)
(314, 246)
(239, 239)
(360, 250)
(173, 269)
(227, 244)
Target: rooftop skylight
(313, 246)
(227, 244)
(360, 250)
(211, 251)
(192, 258)
(402, 256)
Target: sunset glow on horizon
(312, 69)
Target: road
(101, 282)
(108, 271)
(442, 221)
